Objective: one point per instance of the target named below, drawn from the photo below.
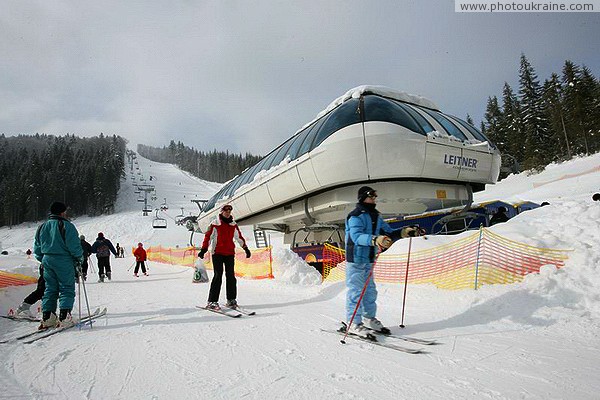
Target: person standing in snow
(220, 237)
(140, 258)
(118, 250)
(57, 247)
(103, 247)
(87, 251)
(367, 234)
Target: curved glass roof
(369, 107)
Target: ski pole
(406, 281)
(343, 341)
(128, 269)
(87, 303)
(91, 264)
(79, 279)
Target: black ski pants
(103, 265)
(137, 267)
(84, 266)
(218, 262)
(38, 293)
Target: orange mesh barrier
(8, 279)
(259, 266)
(470, 262)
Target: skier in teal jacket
(58, 248)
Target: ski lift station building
(417, 158)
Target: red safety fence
(8, 279)
(470, 262)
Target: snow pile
(289, 268)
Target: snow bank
(289, 268)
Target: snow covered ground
(533, 340)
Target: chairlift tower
(146, 189)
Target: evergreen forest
(36, 170)
(545, 122)
(214, 166)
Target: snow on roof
(356, 92)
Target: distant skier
(57, 246)
(103, 247)
(28, 252)
(366, 232)
(140, 258)
(118, 251)
(499, 217)
(87, 251)
(220, 236)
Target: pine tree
(575, 107)
(553, 107)
(538, 143)
(511, 123)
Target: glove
(202, 252)
(247, 250)
(382, 241)
(412, 231)
(77, 268)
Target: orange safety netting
(8, 279)
(258, 266)
(482, 258)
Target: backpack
(103, 251)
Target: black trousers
(84, 266)
(137, 267)
(38, 293)
(103, 264)
(219, 262)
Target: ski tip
(342, 341)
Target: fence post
(477, 260)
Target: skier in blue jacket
(366, 233)
(57, 247)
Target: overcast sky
(245, 75)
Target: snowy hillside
(533, 340)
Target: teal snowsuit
(58, 248)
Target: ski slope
(537, 339)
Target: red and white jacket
(220, 237)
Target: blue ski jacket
(57, 237)
(362, 226)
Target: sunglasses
(372, 194)
(227, 209)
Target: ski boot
(232, 304)
(136, 275)
(65, 319)
(376, 325)
(108, 275)
(49, 320)
(359, 330)
(23, 310)
(213, 305)
(101, 279)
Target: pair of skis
(24, 318)
(374, 336)
(44, 333)
(232, 312)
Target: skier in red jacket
(140, 258)
(220, 236)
